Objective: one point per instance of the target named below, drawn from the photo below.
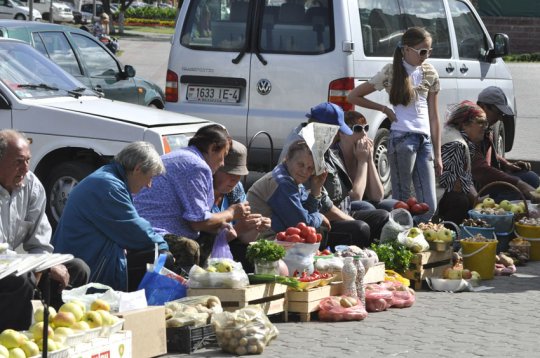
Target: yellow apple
(63, 331)
(16, 353)
(106, 318)
(93, 319)
(81, 304)
(30, 348)
(80, 326)
(37, 331)
(11, 338)
(64, 319)
(74, 308)
(38, 314)
(51, 345)
(4, 352)
(100, 305)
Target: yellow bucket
(532, 235)
(480, 257)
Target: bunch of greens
(265, 278)
(265, 250)
(394, 255)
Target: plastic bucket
(480, 257)
(470, 231)
(532, 235)
(502, 223)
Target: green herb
(284, 280)
(394, 255)
(265, 250)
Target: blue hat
(330, 113)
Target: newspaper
(319, 137)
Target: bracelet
(383, 110)
(318, 197)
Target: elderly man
(23, 222)
(100, 224)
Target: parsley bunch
(394, 255)
(265, 250)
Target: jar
(266, 267)
(360, 273)
(349, 277)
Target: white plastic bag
(399, 221)
(299, 257)
(107, 294)
(415, 244)
(235, 277)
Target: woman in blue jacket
(100, 225)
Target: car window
(55, 45)
(292, 26)
(98, 61)
(470, 38)
(381, 29)
(218, 25)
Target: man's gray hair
(143, 154)
(7, 135)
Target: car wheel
(20, 17)
(499, 139)
(380, 156)
(60, 182)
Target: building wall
(524, 32)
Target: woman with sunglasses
(414, 144)
(464, 130)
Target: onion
(283, 270)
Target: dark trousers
(16, 294)
(375, 220)
(349, 232)
(454, 207)
(136, 266)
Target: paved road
(500, 322)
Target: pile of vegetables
(265, 250)
(394, 255)
(300, 233)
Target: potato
(243, 341)
(240, 350)
(252, 349)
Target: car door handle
(450, 68)
(463, 69)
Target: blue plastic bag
(159, 288)
(221, 249)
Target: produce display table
(375, 273)
(428, 264)
(305, 302)
(270, 296)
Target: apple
(479, 206)
(100, 305)
(538, 190)
(446, 272)
(11, 338)
(30, 348)
(51, 345)
(411, 201)
(414, 232)
(74, 308)
(475, 275)
(444, 235)
(64, 319)
(38, 314)
(466, 274)
(454, 274)
(488, 203)
(505, 204)
(16, 353)
(416, 209)
(4, 352)
(106, 318)
(80, 326)
(63, 331)
(93, 319)
(516, 209)
(425, 207)
(81, 304)
(430, 235)
(37, 331)
(401, 205)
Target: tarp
(510, 8)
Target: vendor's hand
(60, 274)
(265, 224)
(240, 210)
(361, 150)
(248, 223)
(231, 233)
(317, 181)
(519, 166)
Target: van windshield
(283, 26)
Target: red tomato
(294, 238)
(425, 207)
(293, 231)
(411, 201)
(319, 237)
(301, 225)
(281, 236)
(416, 209)
(311, 238)
(305, 232)
(326, 252)
(401, 205)
(312, 229)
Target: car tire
(59, 183)
(499, 138)
(20, 17)
(380, 156)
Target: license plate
(213, 94)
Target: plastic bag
(415, 244)
(232, 275)
(221, 249)
(340, 308)
(378, 298)
(244, 331)
(403, 296)
(299, 256)
(399, 221)
(159, 288)
(87, 294)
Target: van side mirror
(500, 42)
(129, 71)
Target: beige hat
(236, 160)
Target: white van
(61, 11)
(14, 9)
(260, 65)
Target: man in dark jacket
(487, 165)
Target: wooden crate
(375, 273)
(305, 302)
(270, 296)
(428, 264)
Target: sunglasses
(483, 124)
(422, 51)
(357, 128)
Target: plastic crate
(188, 339)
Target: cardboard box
(118, 345)
(147, 326)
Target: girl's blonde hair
(402, 91)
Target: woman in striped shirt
(464, 128)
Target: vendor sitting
(228, 190)
(100, 224)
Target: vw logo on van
(264, 86)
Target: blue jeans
(411, 164)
